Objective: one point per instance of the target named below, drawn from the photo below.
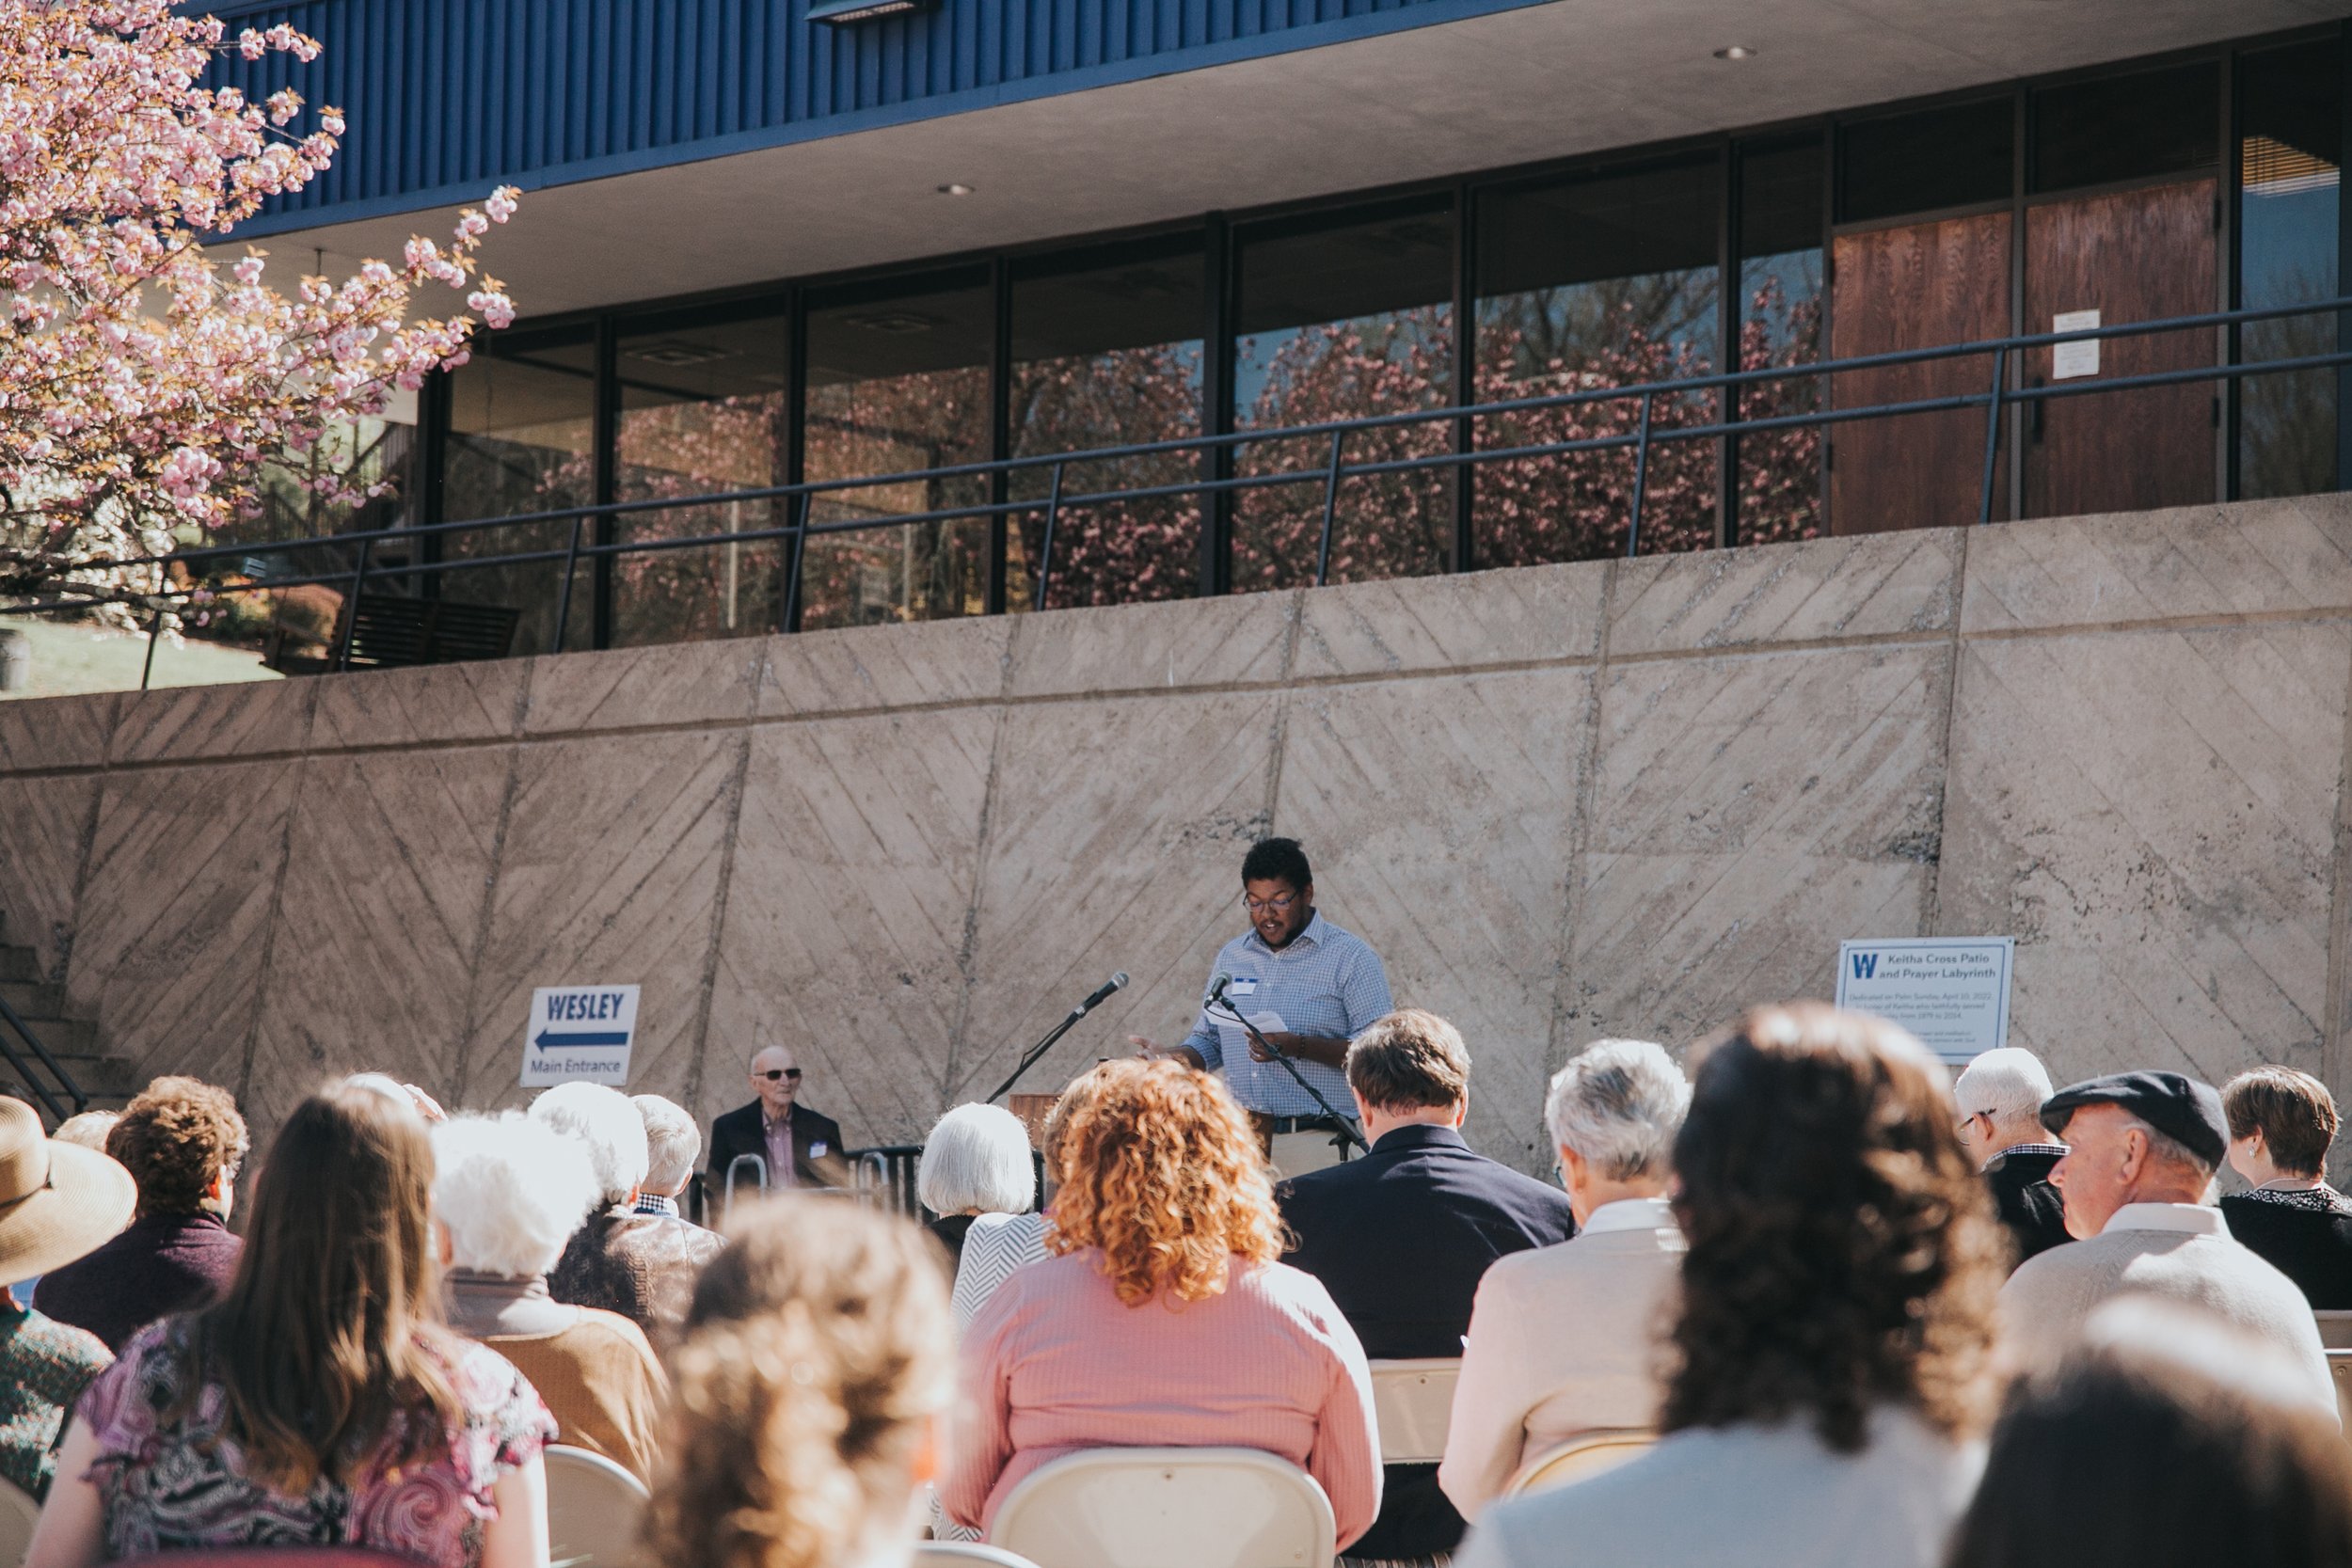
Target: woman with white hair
(975, 1161)
(642, 1266)
(508, 1193)
(1563, 1340)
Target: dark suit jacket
(2034, 1211)
(816, 1159)
(1400, 1238)
(2310, 1245)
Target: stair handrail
(15, 1020)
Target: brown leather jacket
(643, 1266)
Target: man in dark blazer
(1400, 1236)
(798, 1147)
(2000, 1095)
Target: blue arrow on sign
(548, 1038)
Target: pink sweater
(1054, 1363)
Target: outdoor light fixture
(957, 188)
(1737, 51)
(841, 11)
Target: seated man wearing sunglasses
(797, 1147)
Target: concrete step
(33, 1001)
(60, 1036)
(19, 964)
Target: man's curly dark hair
(1843, 1251)
(174, 1138)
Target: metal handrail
(15, 1021)
(1332, 473)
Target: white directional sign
(1951, 992)
(579, 1034)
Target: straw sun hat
(57, 1201)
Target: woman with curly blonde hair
(806, 1395)
(1163, 1317)
(1831, 1375)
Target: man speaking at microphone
(1308, 986)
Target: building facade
(762, 248)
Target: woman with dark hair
(1829, 1380)
(2169, 1440)
(2281, 1123)
(320, 1402)
(1163, 1317)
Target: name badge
(1243, 985)
(817, 1149)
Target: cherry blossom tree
(149, 384)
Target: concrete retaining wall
(1610, 799)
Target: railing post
(1330, 503)
(154, 630)
(351, 610)
(563, 598)
(1641, 480)
(792, 567)
(1046, 553)
(1991, 432)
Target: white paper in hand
(1235, 1040)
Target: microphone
(1101, 996)
(1216, 992)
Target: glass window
(1585, 283)
(1341, 317)
(1106, 353)
(898, 383)
(704, 409)
(1956, 156)
(1779, 493)
(521, 438)
(2290, 159)
(2148, 124)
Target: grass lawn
(70, 658)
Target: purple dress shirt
(165, 1264)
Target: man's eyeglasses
(775, 1073)
(1279, 904)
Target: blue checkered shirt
(1326, 982)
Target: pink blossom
(249, 270)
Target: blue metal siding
(446, 97)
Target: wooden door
(2131, 256)
(1917, 286)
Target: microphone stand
(1346, 1127)
(1040, 1048)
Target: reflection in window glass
(521, 439)
(1106, 353)
(2290, 162)
(1779, 494)
(1340, 319)
(897, 383)
(1587, 283)
(704, 410)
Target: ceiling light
(1737, 51)
(840, 11)
(957, 188)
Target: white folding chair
(1414, 1402)
(965, 1554)
(2340, 1368)
(19, 1514)
(1587, 1455)
(1167, 1508)
(2335, 1329)
(595, 1511)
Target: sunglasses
(776, 1073)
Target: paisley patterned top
(177, 1485)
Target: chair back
(1167, 1508)
(2335, 1329)
(1414, 1401)
(595, 1511)
(965, 1554)
(19, 1514)
(2340, 1368)
(1586, 1454)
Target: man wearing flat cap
(2137, 1181)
